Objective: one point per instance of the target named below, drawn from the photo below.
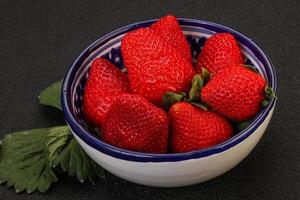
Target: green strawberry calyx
(171, 98)
(198, 82)
(250, 67)
(269, 94)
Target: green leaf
(24, 163)
(51, 95)
(64, 151)
(56, 141)
(27, 159)
(171, 97)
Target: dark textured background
(39, 40)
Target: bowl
(164, 170)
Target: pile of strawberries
(165, 104)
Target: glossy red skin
(135, 124)
(236, 93)
(105, 82)
(154, 67)
(220, 51)
(168, 28)
(193, 128)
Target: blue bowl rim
(116, 152)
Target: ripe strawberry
(219, 52)
(154, 67)
(193, 128)
(168, 28)
(236, 93)
(105, 82)
(133, 123)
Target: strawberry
(236, 92)
(154, 67)
(105, 82)
(219, 52)
(133, 123)
(169, 30)
(193, 128)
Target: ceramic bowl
(164, 170)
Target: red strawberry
(133, 123)
(193, 128)
(168, 28)
(154, 67)
(105, 82)
(236, 93)
(219, 52)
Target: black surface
(39, 40)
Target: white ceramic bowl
(164, 170)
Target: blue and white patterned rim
(75, 70)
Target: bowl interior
(196, 32)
